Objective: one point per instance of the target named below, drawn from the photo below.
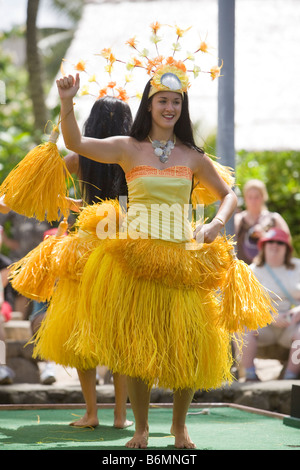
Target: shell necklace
(163, 148)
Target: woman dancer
(109, 116)
(148, 305)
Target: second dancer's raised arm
(110, 150)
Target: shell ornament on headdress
(167, 72)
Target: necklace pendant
(162, 149)
(164, 158)
(158, 151)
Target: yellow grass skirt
(154, 310)
(51, 340)
(159, 316)
(139, 327)
(66, 264)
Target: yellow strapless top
(159, 203)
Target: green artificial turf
(223, 428)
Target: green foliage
(17, 132)
(16, 120)
(280, 171)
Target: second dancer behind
(109, 116)
(51, 272)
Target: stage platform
(211, 426)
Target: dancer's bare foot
(86, 422)
(182, 438)
(122, 423)
(139, 440)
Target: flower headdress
(111, 88)
(168, 73)
(25, 191)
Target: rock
(18, 330)
(254, 400)
(19, 359)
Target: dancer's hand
(68, 86)
(207, 233)
(62, 228)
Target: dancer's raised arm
(110, 150)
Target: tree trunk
(35, 68)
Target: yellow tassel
(70, 254)
(37, 186)
(108, 211)
(32, 276)
(245, 303)
(201, 195)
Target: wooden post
(225, 134)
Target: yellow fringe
(172, 264)
(37, 187)
(71, 253)
(141, 320)
(50, 343)
(32, 276)
(35, 275)
(108, 211)
(245, 303)
(201, 195)
(143, 329)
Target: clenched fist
(68, 86)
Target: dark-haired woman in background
(108, 117)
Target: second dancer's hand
(68, 86)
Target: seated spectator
(8, 301)
(37, 315)
(21, 235)
(253, 223)
(39, 311)
(280, 274)
(6, 374)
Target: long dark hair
(183, 128)
(109, 117)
